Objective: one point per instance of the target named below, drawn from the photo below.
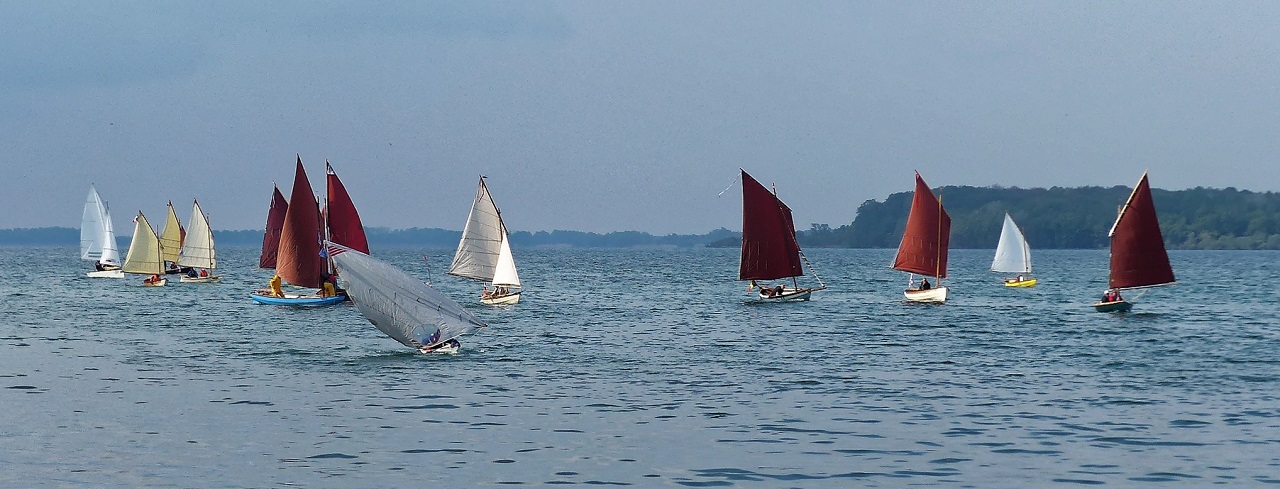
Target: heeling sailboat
(1138, 257)
(98, 238)
(1013, 255)
(298, 259)
(924, 245)
(275, 225)
(484, 252)
(401, 305)
(769, 247)
(198, 254)
(146, 254)
(171, 239)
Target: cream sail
(171, 237)
(197, 250)
(146, 255)
(484, 253)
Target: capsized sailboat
(484, 252)
(298, 258)
(198, 255)
(401, 305)
(769, 247)
(1013, 255)
(1138, 257)
(924, 246)
(171, 239)
(146, 254)
(98, 238)
(275, 225)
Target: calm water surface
(648, 368)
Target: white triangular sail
(197, 249)
(145, 253)
(1013, 255)
(505, 273)
(398, 304)
(97, 235)
(171, 237)
(482, 240)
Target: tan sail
(145, 252)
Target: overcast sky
(604, 116)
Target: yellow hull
(1031, 282)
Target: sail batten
(769, 247)
(341, 218)
(198, 248)
(1138, 256)
(925, 241)
(484, 253)
(1013, 254)
(298, 259)
(275, 225)
(398, 304)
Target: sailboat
(298, 255)
(401, 305)
(98, 238)
(340, 217)
(1013, 255)
(1138, 257)
(171, 239)
(769, 247)
(198, 253)
(146, 254)
(275, 224)
(924, 246)
(484, 252)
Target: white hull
(936, 294)
(441, 350)
(787, 295)
(508, 299)
(105, 274)
(158, 283)
(199, 280)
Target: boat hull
(200, 280)
(787, 295)
(105, 274)
(1113, 306)
(1031, 282)
(508, 299)
(157, 283)
(936, 294)
(296, 300)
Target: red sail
(1138, 258)
(924, 243)
(769, 248)
(275, 223)
(299, 261)
(343, 220)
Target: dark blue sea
(648, 367)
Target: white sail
(145, 252)
(399, 304)
(482, 238)
(1013, 255)
(171, 237)
(97, 235)
(197, 249)
(505, 272)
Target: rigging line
(726, 189)
(811, 269)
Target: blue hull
(298, 301)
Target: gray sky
(604, 116)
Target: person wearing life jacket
(275, 286)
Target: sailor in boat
(274, 283)
(1111, 295)
(924, 284)
(191, 273)
(1014, 280)
(151, 280)
(204, 272)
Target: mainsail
(399, 304)
(197, 249)
(341, 217)
(769, 247)
(924, 242)
(145, 252)
(298, 259)
(484, 252)
(97, 234)
(275, 224)
(1013, 255)
(172, 236)
(1138, 257)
